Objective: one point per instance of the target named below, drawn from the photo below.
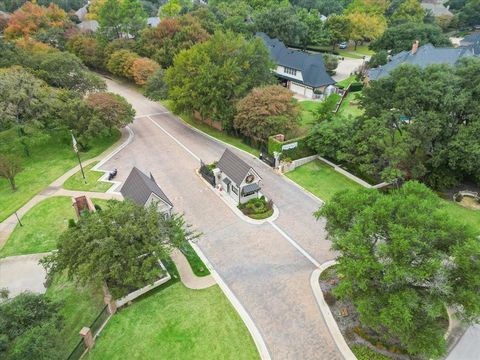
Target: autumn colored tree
(32, 18)
(142, 68)
(120, 63)
(170, 37)
(113, 110)
(408, 11)
(266, 111)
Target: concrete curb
(236, 211)
(327, 314)
(252, 328)
(104, 178)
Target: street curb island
(327, 314)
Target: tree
(29, 325)
(267, 111)
(339, 29)
(121, 18)
(470, 14)
(331, 62)
(112, 109)
(171, 36)
(121, 62)
(88, 49)
(370, 7)
(120, 246)
(64, 70)
(156, 86)
(210, 77)
(282, 23)
(409, 11)
(142, 69)
(24, 99)
(378, 59)
(171, 9)
(9, 168)
(365, 27)
(401, 37)
(403, 260)
(32, 18)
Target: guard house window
(235, 190)
(290, 71)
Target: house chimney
(415, 47)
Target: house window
(290, 71)
(234, 190)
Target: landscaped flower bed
(257, 209)
(365, 343)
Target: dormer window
(290, 71)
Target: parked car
(343, 45)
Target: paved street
(468, 348)
(260, 265)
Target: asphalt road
(268, 274)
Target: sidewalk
(189, 279)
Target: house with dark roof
(303, 73)
(472, 42)
(422, 56)
(237, 178)
(144, 190)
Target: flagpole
(75, 148)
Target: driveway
(346, 68)
(468, 348)
(266, 266)
(22, 273)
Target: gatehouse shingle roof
(138, 187)
(312, 66)
(234, 167)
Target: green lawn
(197, 265)
(91, 183)
(346, 82)
(349, 106)
(363, 352)
(80, 306)
(464, 215)
(321, 179)
(307, 108)
(41, 227)
(176, 323)
(232, 140)
(47, 162)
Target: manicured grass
(348, 109)
(91, 183)
(176, 323)
(80, 307)
(464, 215)
(47, 162)
(232, 140)
(197, 265)
(41, 227)
(346, 82)
(307, 115)
(321, 180)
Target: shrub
(121, 62)
(142, 69)
(356, 86)
(71, 223)
(156, 87)
(330, 299)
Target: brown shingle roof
(234, 167)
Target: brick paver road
(268, 275)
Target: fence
(95, 328)
(78, 351)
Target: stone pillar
(87, 336)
